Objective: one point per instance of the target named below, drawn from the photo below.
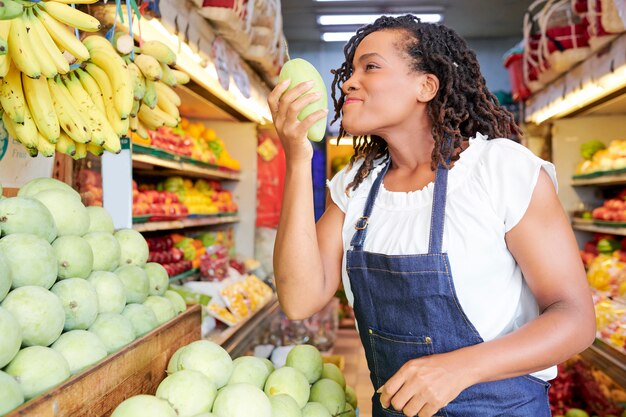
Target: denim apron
(406, 307)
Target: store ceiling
(471, 18)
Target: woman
(462, 267)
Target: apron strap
(438, 214)
(361, 224)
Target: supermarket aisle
(355, 371)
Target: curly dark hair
(462, 107)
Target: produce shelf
(604, 180)
(610, 360)
(238, 338)
(184, 223)
(619, 231)
(143, 162)
(184, 275)
(136, 369)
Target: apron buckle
(361, 223)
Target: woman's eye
(370, 66)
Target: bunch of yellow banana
(155, 103)
(40, 39)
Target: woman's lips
(351, 101)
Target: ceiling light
(337, 36)
(363, 19)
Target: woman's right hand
(285, 108)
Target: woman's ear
(428, 87)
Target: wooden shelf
(605, 180)
(619, 231)
(610, 360)
(236, 339)
(184, 223)
(138, 368)
(147, 163)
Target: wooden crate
(136, 369)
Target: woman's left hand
(423, 386)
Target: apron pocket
(391, 351)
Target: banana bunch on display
(85, 110)
(155, 103)
(38, 41)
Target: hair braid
(462, 107)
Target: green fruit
(331, 371)
(115, 331)
(31, 260)
(351, 397)
(10, 393)
(188, 392)
(105, 249)
(249, 369)
(209, 358)
(159, 280)
(80, 302)
(74, 257)
(284, 406)
(37, 369)
(348, 411)
(314, 409)
(39, 314)
(330, 394)
(37, 185)
(80, 348)
(242, 400)
(11, 339)
(70, 215)
(26, 215)
(308, 360)
(100, 220)
(133, 247)
(135, 281)
(110, 290)
(6, 278)
(298, 71)
(576, 412)
(162, 308)
(141, 317)
(290, 381)
(144, 405)
(177, 301)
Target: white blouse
(489, 190)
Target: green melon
(37, 185)
(31, 259)
(110, 291)
(39, 314)
(284, 406)
(10, 393)
(37, 369)
(100, 220)
(74, 257)
(135, 281)
(330, 394)
(249, 369)
(242, 400)
(105, 249)
(133, 247)
(70, 215)
(80, 302)
(177, 300)
(144, 405)
(332, 371)
(306, 359)
(162, 308)
(141, 317)
(290, 381)
(314, 409)
(80, 348)
(6, 278)
(26, 215)
(115, 331)
(159, 280)
(188, 392)
(11, 339)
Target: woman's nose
(348, 86)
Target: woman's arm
(544, 246)
(307, 257)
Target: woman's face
(381, 93)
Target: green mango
(298, 71)
(576, 412)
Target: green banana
(10, 9)
(159, 51)
(151, 97)
(5, 28)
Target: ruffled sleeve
(337, 185)
(509, 172)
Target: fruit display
(581, 390)
(160, 205)
(174, 259)
(207, 146)
(201, 197)
(72, 290)
(89, 185)
(598, 158)
(202, 379)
